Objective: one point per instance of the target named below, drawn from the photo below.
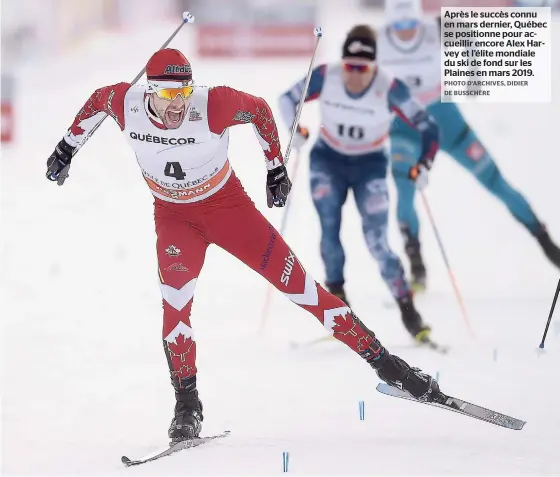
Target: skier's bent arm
(108, 100)
(228, 107)
(404, 105)
(288, 102)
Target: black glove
(58, 164)
(278, 187)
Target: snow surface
(85, 379)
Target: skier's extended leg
(372, 199)
(405, 151)
(181, 249)
(244, 232)
(329, 189)
(470, 153)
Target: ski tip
(125, 460)
(382, 388)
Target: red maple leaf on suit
(354, 334)
(344, 324)
(181, 345)
(76, 130)
(364, 342)
(181, 352)
(102, 100)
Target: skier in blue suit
(358, 101)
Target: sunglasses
(406, 24)
(359, 68)
(171, 93)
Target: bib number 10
(173, 169)
(354, 132)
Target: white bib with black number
(180, 165)
(354, 126)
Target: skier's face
(170, 111)
(357, 74)
(406, 30)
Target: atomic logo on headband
(174, 69)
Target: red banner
(255, 41)
(7, 122)
(433, 6)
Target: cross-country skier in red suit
(179, 133)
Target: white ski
(172, 448)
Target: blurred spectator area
(36, 27)
(254, 28)
(31, 29)
(433, 6)
(224, 27)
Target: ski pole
(318, 34)
(187, 18)
(447, 264)
(541, 346)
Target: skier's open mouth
(175, 115)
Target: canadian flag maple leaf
(364, 342)
(344, 324)
(180, 347)
(76, 130)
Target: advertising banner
(247, 28)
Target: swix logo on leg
(288, 266)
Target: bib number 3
(413, 81)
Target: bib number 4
(173, 169)
(353, 132)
